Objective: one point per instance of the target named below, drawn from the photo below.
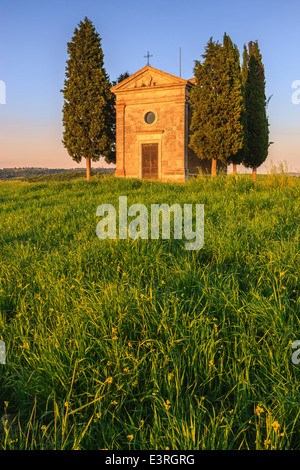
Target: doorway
(150, 161)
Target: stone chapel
(153, 118)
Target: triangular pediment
(148, 77)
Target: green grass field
(122, 344)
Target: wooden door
(150, 161)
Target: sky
(33, 55)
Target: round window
(149, 117)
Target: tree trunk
(254, 174)
(88, 168)
(234, 168)
(214, 167)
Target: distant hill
(31, 172)
(20, 173)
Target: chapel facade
(153, 117)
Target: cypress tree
(111, 158)
(121, 77)
(253, 78)
(237, 94)
(217, 127)
(88, 114)
(244, 72)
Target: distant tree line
(24, 172)
(34, 173)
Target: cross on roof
(148, 56)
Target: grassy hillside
(121, 344)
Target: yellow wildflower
(258, 410)
(109, 380)
(130, 437)
(167, 405)
(267, 443)
(275, 426)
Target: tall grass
(122, 344)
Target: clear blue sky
(33, 54)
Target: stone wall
(151, 90)
(168, 130)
